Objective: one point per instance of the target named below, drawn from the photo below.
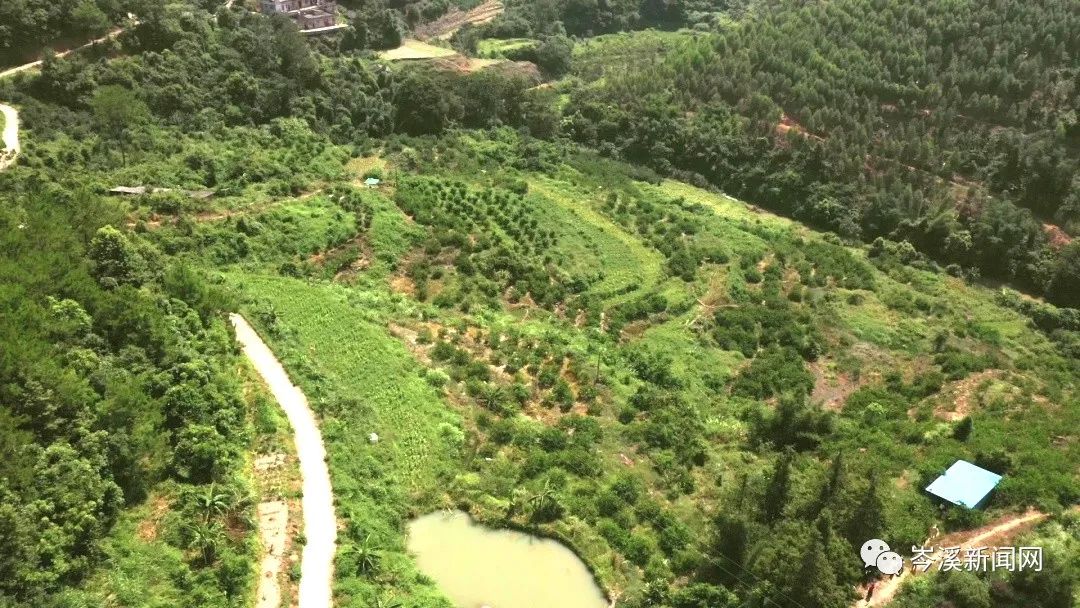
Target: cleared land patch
(415, 49)
(445, 26)
(723, 205)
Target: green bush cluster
(119, 381)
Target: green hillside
(709, 305)
(696, 346)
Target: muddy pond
(477, 566)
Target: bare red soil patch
(148, 528)
(788, 123)
(831, 389)
(445, 26)
(961, 395)
(1058, 237)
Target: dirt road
(33, 64)
(11, 136)
(320, 525)
(444, 27)
(273, 520)
(999, 531)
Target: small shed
(964, 484)
(372, 182)
(128, 190)
(199, 195)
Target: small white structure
(373, 438)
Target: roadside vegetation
(122, 414)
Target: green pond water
(477, 566)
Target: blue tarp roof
(372, 181)
(964, 484)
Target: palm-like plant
(543, 500)
(207, 538)
(491, 396)
(368, 558)
(381, 602)
(517, 499)
(212, 503)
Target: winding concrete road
(320, 525)
(11, 136)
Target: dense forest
(527, 299)
(949, 125)
(115, 377)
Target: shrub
(775, 371)
(963, 429)
(563, 395)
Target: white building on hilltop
(310, 15)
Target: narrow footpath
(320, 525)
(33, 64)
(997, 532)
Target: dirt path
(444, 27)
(999, 531)
(217, 216)
(414, 49)
(11, 136)
(320, 525)
(33, 64)
(273, 526)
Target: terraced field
(628, 265)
